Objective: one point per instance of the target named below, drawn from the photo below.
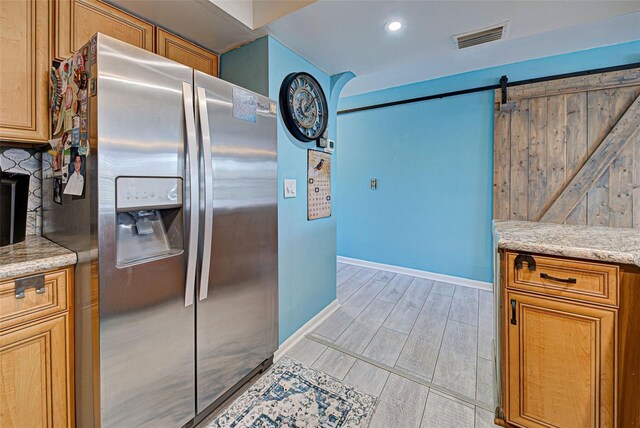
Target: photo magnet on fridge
(75, 181)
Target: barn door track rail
(504, 83)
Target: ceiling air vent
(479, 37)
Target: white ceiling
(197, 20)
(349, 35)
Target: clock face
(304, 106)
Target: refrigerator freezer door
(147, 373)
(237, 322)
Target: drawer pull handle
(513, 312)
(36, 282)
(553, 278)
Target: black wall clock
(303, 106)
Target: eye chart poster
(318, 185)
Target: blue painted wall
(306, 249)
(248, 66)
(433, 161)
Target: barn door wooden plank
(621, 192)
(537, 156)
(627, 129)
(592, 82)
(501, 164)
(621, 171)
(602, 117)
(556, 147)
(519, 200)
(605, 110)
(577, 148)
(598, 208)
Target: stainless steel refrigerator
(175, 230)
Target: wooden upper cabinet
(24, 65)
(560, 363)
(182, 51)
(78, 20)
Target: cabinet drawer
(34, 304)
(571, 279)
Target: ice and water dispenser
(149, 221)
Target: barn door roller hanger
(504, 105)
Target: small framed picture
(57, 191)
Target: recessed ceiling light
(394, 25)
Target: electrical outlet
(290, 188)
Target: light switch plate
(290, 188)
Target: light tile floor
(423, 347)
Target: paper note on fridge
(245, 105)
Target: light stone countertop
(607, 244)
(34, 254)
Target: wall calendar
(318, 185)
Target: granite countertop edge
(574, 252)
(46, 256)
(538, 244)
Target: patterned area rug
(292, 395)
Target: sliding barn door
(568, 151)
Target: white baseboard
(419, 273)
(306, 328)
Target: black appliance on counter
(14, 197)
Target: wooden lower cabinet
(570, 340)
(36, 355)
(561, 363)
(34, 391)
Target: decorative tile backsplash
(27, 161)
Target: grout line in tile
(361, 285)
(421, 307)
(347, 279)
(415, 320)
(442, 340)
(363, 309)
(405, 374)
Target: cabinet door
(560, 368)
(24, 65)
(78, 20)
(35, 366)
(180, 50)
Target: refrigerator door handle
(192, 155)
(208, 192)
